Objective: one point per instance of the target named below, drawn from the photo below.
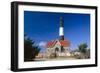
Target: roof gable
(51, 43)
(63, 43)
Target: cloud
(42, 44)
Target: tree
(83, 48)
(84, 53)
(30, 49)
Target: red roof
(63, 43)
(51, 43)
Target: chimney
(61, 29)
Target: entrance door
(56, 51)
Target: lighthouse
(61, 29)
(59, 47)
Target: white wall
(5, 35)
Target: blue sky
(44, 26)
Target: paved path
(59, 58)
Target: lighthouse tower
(61, 29)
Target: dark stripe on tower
(62, 37)
(61, 22)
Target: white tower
(61, 29)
